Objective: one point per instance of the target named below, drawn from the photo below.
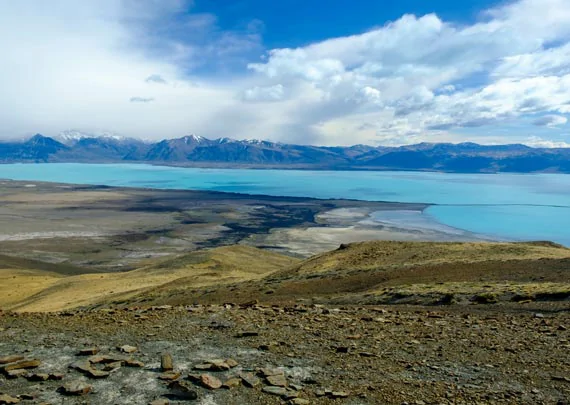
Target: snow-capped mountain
(195, 138)
(78, 146)
(71, 137)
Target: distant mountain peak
(72, 136)
(39, 139)
(226, 140)
(257, 142)
(467, 157)
(193, 139)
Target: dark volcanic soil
(373, 355)
(102, 229)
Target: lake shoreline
(509, 207)
(104, 228)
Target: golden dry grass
(390, 254)
(198, 269)
(17, 285)
(364, 269)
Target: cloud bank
(155, 69)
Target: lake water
(509, 206)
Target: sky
(322, 72)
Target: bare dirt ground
(328, 355)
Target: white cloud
(155, 78)
(552, 61)
(416, 65)
(550, 121)
(505, 99)
(539, 142)
(268, 93)
(79, 64)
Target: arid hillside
(33, 289)
(361, 273)
(401, 272)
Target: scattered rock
(81, 365)
(133, 363)
(11, 359)
(249, 380)
(268, 372)
(21, 364)
(94, 373)
(86, 368)
(56, 376)
(182, 391)
(75, 388)
(89, 351)
(105, 359)
(15, 373)
(280, 391)
(339, 394)
(37, 377)
(127, 349)
(113, 366)
(203, 366)
(299, 401)
(290, 395)
(232, 363)
(210, 382)
(166, 363)
(7, 399)
(218, 365)
(232, 383)
(170, 375)
(277, 380)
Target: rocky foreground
(298, 354)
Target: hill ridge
(194, 150)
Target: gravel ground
(362, 355)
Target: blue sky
(294, 23)
(312, 72)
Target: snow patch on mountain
(73, 136)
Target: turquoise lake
(506, 206)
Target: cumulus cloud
(414, 64)
(418, 78)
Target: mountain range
(195, 150)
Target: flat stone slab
(75, 388)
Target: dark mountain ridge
(225, 152)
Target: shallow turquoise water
(514, 206)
